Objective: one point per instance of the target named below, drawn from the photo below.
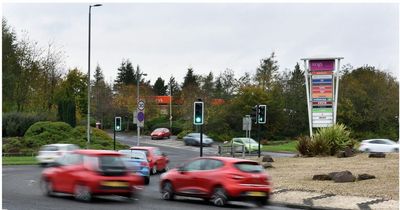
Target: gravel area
(297, 173)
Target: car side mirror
(181, 169)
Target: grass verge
(284, 147)
(19, 160)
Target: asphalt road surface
(21, 191)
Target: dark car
(158, 161)
(160, 133)
(218, 179)
(194, 139)
(87, 173)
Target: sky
(165, 39)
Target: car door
(187, 180)
(72, 167)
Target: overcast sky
(165, 39)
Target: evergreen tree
(267, 72)
(126, 74)
(190, 80)
(159, 87)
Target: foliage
(283, 147)
(327, 141)
(183, 133)
(16, 123)
(159, 87)
(19, 160)
(126, 74)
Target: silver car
(50, 152)
(194, 139)
(379, 145)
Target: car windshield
(49, 148)
(159, 130)
(197, 135)
(134, 154)
(251, 167)
(247, 141)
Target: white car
(379, 145)
(49, 153)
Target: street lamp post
(88, 79)
(138, 74)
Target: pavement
(303, 199)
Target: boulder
(348, 152)
(377, 155)
(341, 154)
(344, 176)
(365, 176)
(267, 165)
(332, 174)
(267, 158)
(321, 177)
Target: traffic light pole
(201, 140)
(258, 138)
(114, 137)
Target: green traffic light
(198, 119)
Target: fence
(231, 150)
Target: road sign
(247, 123)
(141, 105)
(140, 118)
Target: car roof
(96, 152)
(226, 159)
(142, 148)
(57, 145)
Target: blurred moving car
(49, 153)
(87, 173)
(250, 144)
(379, 145)
(218, 179)
(136, 161)
(194, 139)
(158, 161)
(160, 133)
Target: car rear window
(250, 167)
(49, 148)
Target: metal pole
(201, 140)
(137, 102)
(336, 90)
(258, 137)
(88, 82)
(114, 135)
(308, 98)
(170, 107)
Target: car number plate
(256, 193)
(114, 184)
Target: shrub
(319, 146)
(46, 132)
(304, 146)
(337, 136)
(182, 134)
(17, 123)
(99, 139)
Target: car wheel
(366, 150)
(168, 137)
(167, 192)
(396, 150)
(47, 187)
(262, 201)
(82, 193)
(154, 169)
(152, 138)
(146, 180)
(219, 197)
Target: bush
(327, 141)
(46, 132)
(182, 134)
(304, 146)
(99, 139)
(17, 123)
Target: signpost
(140, 118)
(322, 90)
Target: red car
(158, 161)
(160, 133)
(87, 173)
(218, 179)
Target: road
(21, 191)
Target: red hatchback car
(158, 161)
(160, 133)
(86, 173)
(218, 179)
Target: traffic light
(198, 115)
(262, 114)
(254, 113)
(118, 124)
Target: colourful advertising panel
(322, 65)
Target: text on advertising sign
(322, 65)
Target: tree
(126, 74)
(102, 98)
(72, 97)
(159, 87)
(173, 88)
(267, 71)
(369, 103)
(190, 80)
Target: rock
(321, 177)
(267, 165)
(349, 152)
(365, 176)
(377, 155)
(332, 174)
(267, 158)
(344, 176)
(341, 154)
